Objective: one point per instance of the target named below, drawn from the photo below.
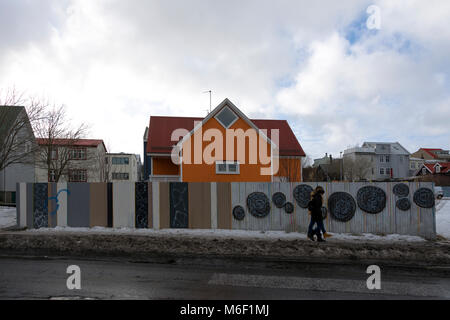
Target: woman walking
(315, 209)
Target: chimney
(331, 159)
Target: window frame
(227, 163)
(231, 123)
(71, 174)
(121, 175)
(75, 150)
(51, 173)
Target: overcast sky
(114, 63)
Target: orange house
(225, 146)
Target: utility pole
(210, 93)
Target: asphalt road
(45, 278)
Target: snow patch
(231, 234)
(443, 218)
(7, 217)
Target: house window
(412, 165)
(77, 175)
(388, 171)
(120, 176)
(381, 158)
(120, 160)
(51, 176)
(227, 167)
(27, 147)
(78, 154)
(438, 169)
(424, 170)
(387, 158)
(54, 154)
(381, 170)
(226, 117)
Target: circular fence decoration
(342, 206)
(324, 212)
(401, 190)
(403, 204)
(289, 207)
(258, 204)
(302, 194)
(279, 199)
(424, 198)
(371, 199)
(239, 213)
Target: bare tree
(356, 169)
(307, 162)
(103, 165)
(57, 140)
(18, 115)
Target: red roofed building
(65, 160)
(434, 168)
(432, 154)
(224, 146)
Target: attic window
(226, 117)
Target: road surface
(183, 278)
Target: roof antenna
(209, 99)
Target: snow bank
(443, 218)
(7, 217)
(231, 234)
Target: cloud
(387, 85)
(114, 63)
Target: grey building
(17, 155)
(377, 161)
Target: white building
(123, 167)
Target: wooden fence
(379, 208)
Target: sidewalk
(141, 245)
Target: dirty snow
(443, 217)
(7, 217)
(230, 234)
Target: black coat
(315, 206)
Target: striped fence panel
(160, 205)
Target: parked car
(438, 192)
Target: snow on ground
(231, 234)
(7, 217)
(443, 218)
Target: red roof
(77, 143)
(430, 151)
(445, 167)
(161, 128)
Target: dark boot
(319, 236)
(311, 236)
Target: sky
(336, 79)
